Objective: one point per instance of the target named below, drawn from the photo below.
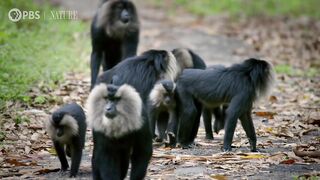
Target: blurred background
(222, 31)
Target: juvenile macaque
(67, 129)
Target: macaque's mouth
(125, 21)
(110, 115)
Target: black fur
(198, 63)
(166, 117)
(238, 86)
(111, 156)
(141, 72)
(75, 143)
(219, 116)
(114, 35)
(218, 112)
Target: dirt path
(160, 31)
(280, 126)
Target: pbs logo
(14, 15)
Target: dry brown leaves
(281, 40)
(26, 143)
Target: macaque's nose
(110, 112)
(125, 16)
(167, 100)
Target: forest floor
(287, 122)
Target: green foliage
(287, 69)
(284, 69)
(249, 7)
(20, 119)
(307, 177)
(2, 136)
(40, 100)
(33, 51)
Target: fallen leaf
(289, 161)
(313, 154)
(46, 171)
(218, 177)
(273, 99)
(254, 156)
(267, 114)
(16, 162)
(52, 151)
(277, 158)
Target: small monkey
(67, 129)
(162, 110)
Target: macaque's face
(124, 11)
(111, 106)
(62, 126)
(114, 110)
(168, 99)
(169, 94)
(112, 100)
(56, 119)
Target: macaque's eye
(116, 99)
(113, 99)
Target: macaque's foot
(63, 172)
(254, 150)
(209, 137)
(258, 150)
(253, 145)
(169, 145)
(171, 140)
(185, 145)
(158, 139)
(64, 168)
(227, 148)
(216, 131)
